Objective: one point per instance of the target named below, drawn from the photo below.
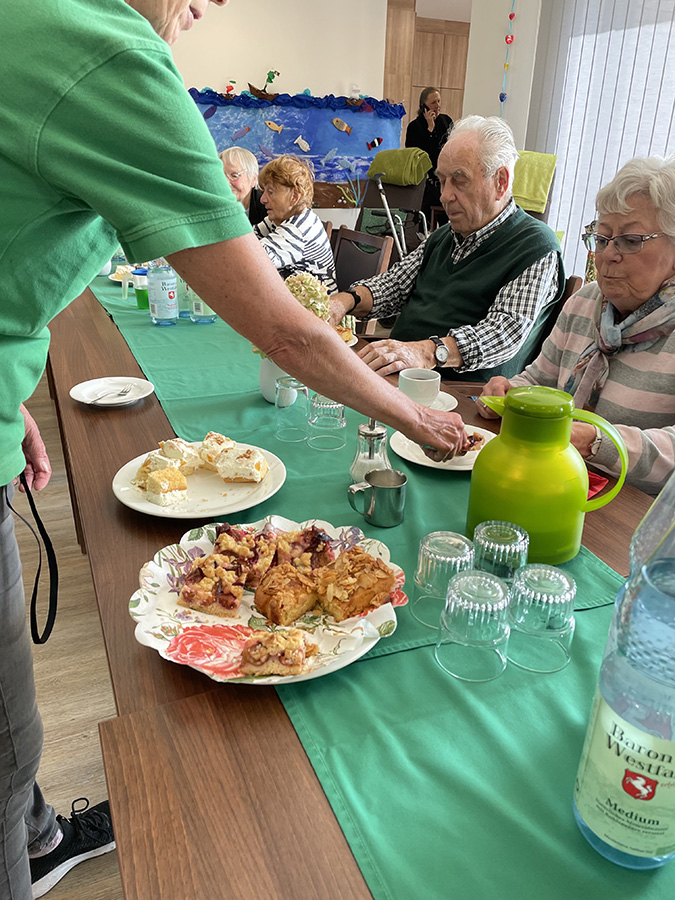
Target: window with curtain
(603, 93)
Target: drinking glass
(501, 548)
(441, 554)
(474, 630)
(327, 424)
(541, 614)
(291, 405)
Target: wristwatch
(441, 352)
(357, 298)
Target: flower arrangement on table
(312, 293)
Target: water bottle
(163, 295)
(200, 313)
(624, 795)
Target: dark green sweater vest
(448, 295)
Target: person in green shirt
(100, 145)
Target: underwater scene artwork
(337, 136)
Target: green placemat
(454, 791)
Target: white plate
(88, 390)
(411, 451)
(116, 278)
(207, 493)
(354, 341)
(213, 644)
(444, 401)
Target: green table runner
(442, 789)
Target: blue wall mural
(337, 135)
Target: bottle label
(625, 787)
(199, 308)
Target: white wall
(487, 54)
(326, 47)
(450, 10)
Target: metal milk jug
(531, 474)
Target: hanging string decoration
(503, 96)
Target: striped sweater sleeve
(638, 396)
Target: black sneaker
(86, 834)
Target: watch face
(442, 353)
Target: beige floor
(73, 685)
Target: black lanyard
(53, 570)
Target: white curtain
(604, 92)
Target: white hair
(497, 147)
(654, 178)
(241, 157)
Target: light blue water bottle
(624, 796)
(200, 313)
(163, 295)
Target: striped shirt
(496, 338)
(300, 244)
(638, 396)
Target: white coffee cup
(421, 385)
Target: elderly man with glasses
(613, 345)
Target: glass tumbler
(501, 548)
(541, 614)
(474, 629)
(327, 424)
(291, 405)
(441, 554)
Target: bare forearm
(236, 279)
(344, 303)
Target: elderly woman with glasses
(613, 345)
(241, 170)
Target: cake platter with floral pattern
(213, 644)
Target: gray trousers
(26, 821)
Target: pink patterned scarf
(638, 331)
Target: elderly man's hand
(388, 356)
(38, 470)
(496, 387)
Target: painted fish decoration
(240, 133)
(329, 156)
(266, 152)
(374, 143)
(274, 126)
(341, 126)
(209, 112)
(302, 143)
(348, 164)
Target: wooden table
(259, 823)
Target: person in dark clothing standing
(429, 131)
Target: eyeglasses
(624, 243)
(233, 176)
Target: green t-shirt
(100, 143)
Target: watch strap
(357, 298)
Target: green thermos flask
(531, 474)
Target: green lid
(540, 402)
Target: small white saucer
(444, 401)
(88, 390)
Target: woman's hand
(496, 387)
(583, 436)
(38, 470)
(430, 117)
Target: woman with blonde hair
(241, 170)
(292, 234)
